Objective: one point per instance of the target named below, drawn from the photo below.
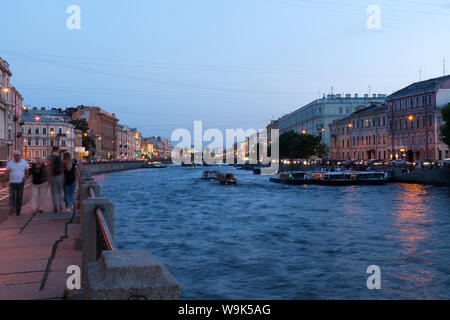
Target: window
(36, 130)
(29, 142)
(36, 142)
(341, 110)
(44, 142)
(44, 131)
(29, 130)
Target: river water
(261, 240)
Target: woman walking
(70, 180)
(39, 188)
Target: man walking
(56, 179)
(16, 174)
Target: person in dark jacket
(70, 180)
(39, 188)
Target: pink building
(10, 114)
(415, 119)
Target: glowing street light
(85, 134)
(5, 90)
(52, 132)
(303, 131)
(37, 118)
(350, 125)
(411, 117)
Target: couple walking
(62, 176)
(60, 173)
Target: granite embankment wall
(437, 176)
(101, 168)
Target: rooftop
(421, 87)
(42, 119)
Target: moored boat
(337, 178)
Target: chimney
(356, 95)
(43, 108)
(348, 95)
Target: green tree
(88, 142)
(301, 146)
(445, 128)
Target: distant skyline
(161, 65)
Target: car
(3, 164)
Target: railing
(104, 237)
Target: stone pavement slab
(26, 246)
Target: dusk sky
(161, 64)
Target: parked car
(3, 164)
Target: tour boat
(156, 165)
(338, 178)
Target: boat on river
(226, 179)
(155, 165)
(335, 178)
(210, 174)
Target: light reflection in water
(411, 220)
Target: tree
(81, 125)
(445, 128)
(301, 146)
(88, 142)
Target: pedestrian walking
(39, 174)
(70, 180)
(56, 179)
(16, 174)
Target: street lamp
(303, 131)
(411, 117)
(37, 118)
(350, 125)
(5, 90)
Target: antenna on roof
(370, 87)
(443, 67)
(420, 73)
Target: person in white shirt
(16, 173)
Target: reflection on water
(260, 240)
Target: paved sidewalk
(28, 269)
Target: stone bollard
(83, 194)
(130, 275)
(89, 227)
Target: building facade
(41, 133)
(364, 135)
(10, 114)
(315, 117)
(102, 128)
(272, 126)
(162, 148)
(415, 120)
